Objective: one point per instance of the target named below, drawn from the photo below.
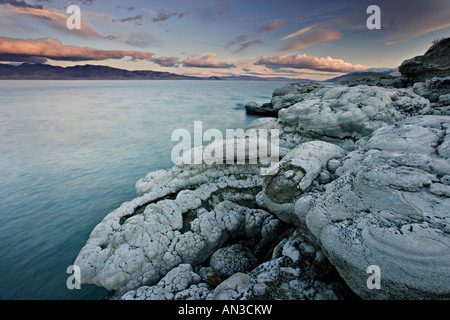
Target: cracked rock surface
(363, 179)
(406, 233)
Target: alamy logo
(239, 147)
(374, 21)
(374, 281)
(73, 281)
(74, 20)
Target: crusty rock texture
(390, 208)
(362, 181)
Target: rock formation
(434, 63)
(363, 180)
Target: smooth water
(72, 151)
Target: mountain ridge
(29, 71)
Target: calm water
(72, 151)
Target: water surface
(72, 151)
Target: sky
(311, 39)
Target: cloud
(126, 8)
(87, 2)
(22, 58)
(20, 4)
(50, 48)
(136, 19)
(166, 61)
(210, 11)
(303, 61)
(242, 44)
(299, 32)
(413, 20)
(206, 61)
(247, 44)
(54, 18)
(140, 40)
(244, 41)
(164, 15)
(312, 39)
(270, 27)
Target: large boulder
(298, 174)
(390, 208)
(292, 93)
(263, 110)
(434, 63)
(283, 97)
(342, 115)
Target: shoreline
(313, 227)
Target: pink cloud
(312, 39)
(54, 18)
(270, 27)
(53, 49)
(206, 61)
(303, 61)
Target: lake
(72, 151)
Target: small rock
(333, 164)
(230, 260)
(324, 177)
(233, 287)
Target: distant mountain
(385, 71)
(255, 78)
(27, 71)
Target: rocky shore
(363, 180)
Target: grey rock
(233, 288)
(294, 272)
(388, 209)
(175, 281)
(324, 177)
(365, 78)
(333, 164)
(349, 113)
(436, 90)
(434, 63)
(263, 110)
(232, 259)
(292, 93)
(294, 176)
(210, 276)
